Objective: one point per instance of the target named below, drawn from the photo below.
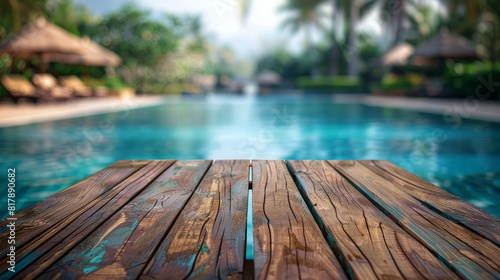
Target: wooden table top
(311, 219)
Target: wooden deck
(311, 219)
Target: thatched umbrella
(267, 80)
(445, 45)
(91, 54)
(40, 39)
(398, 55)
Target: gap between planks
(248, 271)
(249, 266)
(457, 253)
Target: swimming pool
(463, 159)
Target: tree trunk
(308, 41)
(353, 40)
(333, 50)
(44, 64)
(308, 37)
(495, 47)
(15, 15)
(333, 60)
(400, 13)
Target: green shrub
(330, 83)
(465, 78)
(114, 83)
(399, 84)
(396, 82)
(402, 82)
(3, 91)
(93, 82)
(179, 87)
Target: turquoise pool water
(463, 159)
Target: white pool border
(24, 114)
(471, 108)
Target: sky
(249, 39)
(258, 33)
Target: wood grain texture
(149, 219)
(53, 209)
(446, 203)
(47, 248)
(288, 244)
(464, 251)
(371, 244)
(208, 239)
(46, 217)
(122, 246)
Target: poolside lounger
(50, 88)
(101, 91)
(20, 88)
(79, 88)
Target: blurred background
(387, 47)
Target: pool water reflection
(50, 156)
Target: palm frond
(367, 7)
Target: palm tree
(399, 18)
(491, 36)
(354, 11)
(307, 15)
(424, 22)
(396, 12)
(478, 20)
(463, 15)
(472, 8)
(353, 39)
(303, 14)
(14, 13)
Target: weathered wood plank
(53, 213)
(208, 239)
(370, 243)
(288, 244)
(446, 203)
(463, 250)
(55, 242)
(122, 246)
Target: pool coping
(25, 114)
(451, 109)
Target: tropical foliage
(159, 52)
(15, 13)
(303, 14)
(409, 21)
(154, 52)
(424, 22)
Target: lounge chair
(77, 86)
(101, 91)
(20, 88)
(49, 87)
